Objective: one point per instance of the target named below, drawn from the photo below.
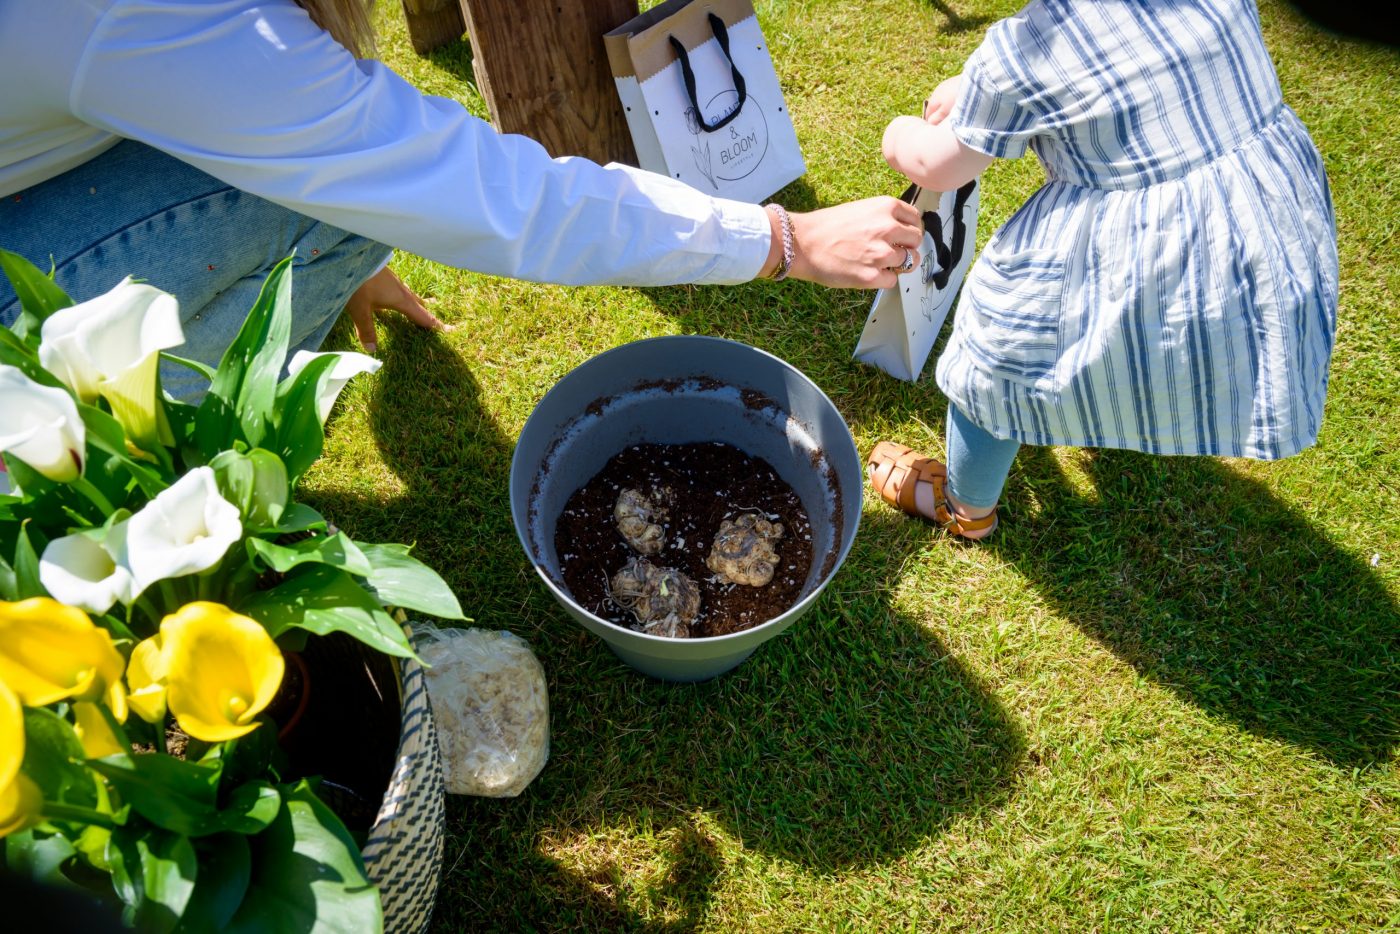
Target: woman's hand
(384, 292)
(855, 245)
(940, 103)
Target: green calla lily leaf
(39, 858)
(52, 757)
(9, 583)
(38, 296)
(307, 874)
(171, 793)
(239, 405)
(335, 550)
(299, 434)
(252, 807)
(225, 869)
(255, 482)
(154, 874)
(299, 517)
(323, 599)
(402, 580)
(27, 583)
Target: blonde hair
(348, 22)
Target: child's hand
(940, 103)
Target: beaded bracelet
(784, 264)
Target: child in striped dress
(1171, 288)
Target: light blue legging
(978, 463)
(135, 211)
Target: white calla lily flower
(184, 530)
(110, 346)
(88, 569)
(40, 426)
(347, 366)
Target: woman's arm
(255, 94)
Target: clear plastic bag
(491, 707)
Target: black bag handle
(688, 75)
(949, 254)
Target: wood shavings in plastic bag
(491, 708)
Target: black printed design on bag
(947, 253)
(734, 151)
(738, 150)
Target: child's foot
(917, 485)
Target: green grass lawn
(1165, 696)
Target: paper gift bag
(702, 99)
(905, 320)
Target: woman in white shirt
(195, 144)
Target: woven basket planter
(403, 854)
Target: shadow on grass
(957, 22)
(450, 456)
(849, 740)
(1204, 581)
(456, 60)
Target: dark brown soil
(348, 731)
(709, 483)
(337, 714)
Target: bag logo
(735, 150)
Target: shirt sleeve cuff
(748, 235)
(991, 143)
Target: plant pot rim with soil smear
(684, 389)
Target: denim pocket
(1011, 306)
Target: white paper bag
(905, 320)
(702, 99)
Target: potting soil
(708, 483)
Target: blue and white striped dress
(1173, 286)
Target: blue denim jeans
(136, 211)
(978, 463)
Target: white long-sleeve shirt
(255, 94)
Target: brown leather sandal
(896, 473)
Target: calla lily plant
(155, 568)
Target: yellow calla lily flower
(222, 669)
(95, 732)
(51, 652)
(21, 804)
(20, 799)
(145, 679)
(11, 735)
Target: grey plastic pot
(683, 390)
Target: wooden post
(543, 70)
(433, 23)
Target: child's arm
(926, 151)
(931, 156)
